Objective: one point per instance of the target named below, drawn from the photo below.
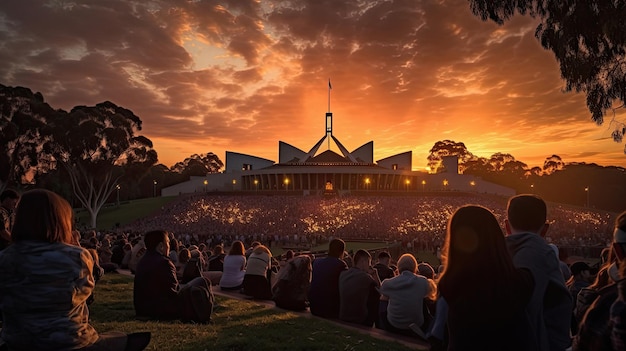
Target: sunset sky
(240, 75)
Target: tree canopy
(199, 165)
(588, 39)
(97, 145)
(22, 128)
(445, 148)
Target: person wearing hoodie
(550, 308)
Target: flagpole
(329, 88)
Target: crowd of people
(499, 283)
(302, 221)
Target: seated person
(324, 291)
(157, 294)
(255, 281)
(292, 284)
(358, 291)
(46, 281)
(194, 268)
(183, 257)
(234, 267)
(216, 260)
(406, 293)
(382, 266)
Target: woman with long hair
(485, 293)
(234, 267)
(46, 281)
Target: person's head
(43, 216)
(174, 245)
(260, 249)
(288, 255)
(426, 270)
(526, 213)
(184, 255)
(384, 257)
(237, 248)
(474, 239)
(336, 247)
(9, 199)
(362, 260)
(619, 237)
(407, 262)
(218, 250)
(157, 240)
(581, 271)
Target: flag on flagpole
(329, 86)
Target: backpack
(196, 301)
(594, 332)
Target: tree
(445, 148)
(199, 165)
(97, 146)
(499, 160)
(588, 39)
(22, 131)
(552, 164)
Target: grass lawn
(125, 213)
(238, 325)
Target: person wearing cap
(579, 279)
(581, 274)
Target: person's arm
(374, 274)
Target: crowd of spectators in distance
(500, 282)
(307, 221)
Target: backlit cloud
(240, 75)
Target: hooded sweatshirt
(406, 294)
(550, 308)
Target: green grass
(125, 213)
(238, 325)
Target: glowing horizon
(207, 77)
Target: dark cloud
(242, 74)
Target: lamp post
(117, 188)
(407, 182)
(234, 184)
(587, 191)
(286, 184)
(206, 182)
(532, 187)
(473, 184)
(256, 184)
(154, 182)
(445, 184)
(423, 185)
(367, 184)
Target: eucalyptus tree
(588, 39)
(97, 146)
(23, 129)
